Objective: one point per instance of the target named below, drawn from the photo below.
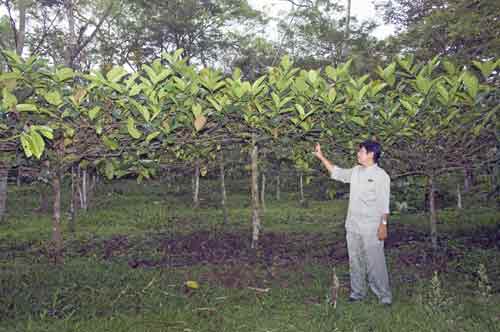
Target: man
(366, 222)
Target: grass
(126, 267)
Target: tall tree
(200, 27)
(461, 29)
(315, 36)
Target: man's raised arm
(336, 173)
(317, 152)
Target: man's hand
(317, 152)
(382, 232)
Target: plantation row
(431, 118)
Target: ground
(126, 267)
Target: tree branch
(92, 35)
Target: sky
(362, 9)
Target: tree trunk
(4, 172)
(263, 191)
(79, 189)
(433, 214)
(21, 32)
(301, 189)
(71, 41)
(255, 194)
(196, 185)
(72, 210)
(468, 178)
(223, 187)
(19, 175)
(278, 186)
(92, 187)
(85, 190)
(459, 197)
(346, 33)
(43, 204)
(56, 217)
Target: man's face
(364, 157)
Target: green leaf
(109, 170)
(443, 93)
(9, 100)
(423, 84)
(13, 55)
(389, 74)
(331, 73)
(116, 73)
(410, 107)
(143, 110)
(359, 121)
(26, 108)
(363, 91)
(110, 143)
(179, 83)
(197, 110)
(312, 76)
(53, 98)
(26, 144)
(135, 90)
(377, 87)
(93, 112)
(215, 104)
(301, 110)
(486, 67)
(285, 62)
(152, 136)
(38, 144)
(44, 130)
(64, 74)
(150, 72)
(132, 130)
(472, 84)
(449, 67)
(258, 86)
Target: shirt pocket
(369, 194)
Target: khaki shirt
(370, 189)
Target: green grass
(98, 288)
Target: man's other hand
(382, 232)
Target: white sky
(361, 9)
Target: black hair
(372, 146)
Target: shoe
(354, 299)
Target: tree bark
(223, 187)
(84, 189)
(21, 32)
(301, 189)
(19, 175)
(196, 185)
(263, 191)
(346, 32)
(56, 217)
(278, 186)
(459, 197)
(44, 187)
(92, 187)
(468, 178)
(433, 214)
(79, 190)
(4, 172)
(72, 209)
(255, 193)
(71, 41)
